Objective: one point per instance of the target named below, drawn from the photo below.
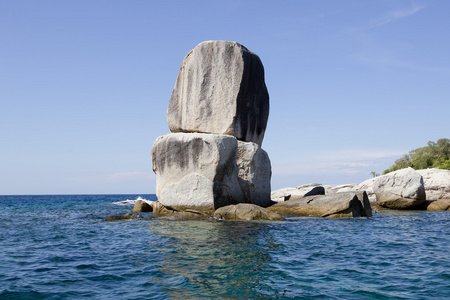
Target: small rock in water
(126, 216)
(439, 205)
(142, 206)
(247, 212)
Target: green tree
(435, 155)
(374, 174)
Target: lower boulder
(345, 204)
(206, 171)
(247, 212)
(402, 189)
(439, 205)
(196, 171)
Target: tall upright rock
(220, 89)
(218, 115)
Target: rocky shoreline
(324, 201)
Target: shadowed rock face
(220, 89)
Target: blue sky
(85, 85)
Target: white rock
(297, 192)
(366, 186)
(207, 171)
(437, 183)
(402, 189)
(220, 89)
(254, 173)
(196, 171)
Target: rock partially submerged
(439, 205)
(142, 206)
(402, 189)
(127, 216)
(246, 211)
(345, 204)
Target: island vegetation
(434, 155)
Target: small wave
(131, 202)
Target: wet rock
(220, 89)
(246, 211)
(345, 204)
(142, 206)
(185, 216)
(402, 189)
(127, 216)
(159, 209)
(439, 205)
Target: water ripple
(56, 247)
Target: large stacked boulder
(217, 114)
(220, 89)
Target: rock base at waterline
(345, 204)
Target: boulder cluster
(405, 189)
(212, 163)
(217, 116)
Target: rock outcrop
(437, 183)
(345, 204)
(217, 114)
(246, 212)
(297, 192)
(439, 205)
(402, 189)
(366, 186)
(220, 89)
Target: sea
(58, 247)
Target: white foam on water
(131, 202)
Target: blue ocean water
(58, 247)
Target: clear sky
(85, 85)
